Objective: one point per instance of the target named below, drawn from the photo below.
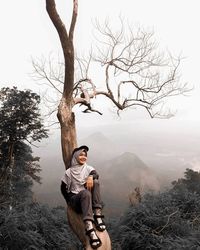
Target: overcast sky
(27, 31)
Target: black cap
(83, 147)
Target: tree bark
(68, 141)
(67, 118)
(68, 130)
(66, 41)
(75, 219)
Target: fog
(145, 153)
(165, 147)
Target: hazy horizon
(167, 152)
(165, 146)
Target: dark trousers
(85, 201)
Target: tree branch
(67, 45)
(56, 20)
(167, 223)
(73, 21)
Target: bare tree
(136, 75)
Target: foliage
(25, 171)
(191, 181)
(34, 226)
(20, 121)
(19, 116)
(169, 220)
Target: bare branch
(56, 20)
(145, 76)
(67, 45)
(73, 21)
(136, 73)
(83, 66)
(41, 73)
(32, 143)
(166, 225)
(88, 110)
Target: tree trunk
(77, 225)
(68, 130)
(65, 115)
(68, 141)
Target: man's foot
(95, 242)
(99, 223)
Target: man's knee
(96, 182)
(85, 194)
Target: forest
(165, 220)
(124, 68)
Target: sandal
(97, 224)
(92, 241)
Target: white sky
(26, 30)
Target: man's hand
(89, 183)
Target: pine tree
(20, 122)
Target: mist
(145, 153)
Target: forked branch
(136, 73)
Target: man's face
(82, 158)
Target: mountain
(124, 164)
(120, 176)
(101, 148)
(119, 173)
(129, 168)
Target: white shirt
(75, 177)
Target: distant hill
(121, 175)
(125, 155)
(124, 164)
(101, 148)
(129, 168)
